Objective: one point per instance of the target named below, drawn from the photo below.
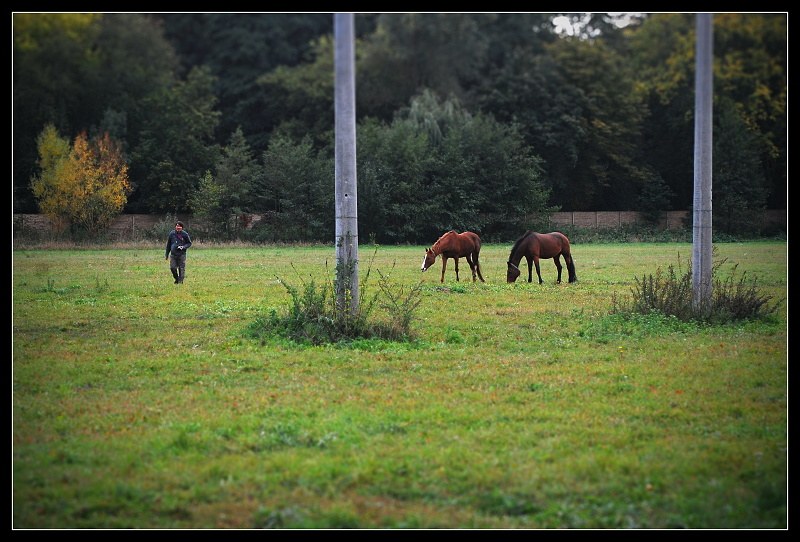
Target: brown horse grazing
(455, 245)
(533, 246)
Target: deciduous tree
(100, 184)
(85, 186)
(48, 186)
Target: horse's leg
(557, 260)
(456, 259)
(444, 266)
(530, 268)
(471, 266)
(538, 272)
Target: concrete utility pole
(346, 193)
(701, 206)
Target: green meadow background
(138, 403)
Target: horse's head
(512, 273)
(430, 257)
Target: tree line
(465, 121)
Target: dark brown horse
(455, 245)
(533, 246)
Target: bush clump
(670, 293)
(314, 316)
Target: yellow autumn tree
(49, 185)
(88, 187)
(100, 187)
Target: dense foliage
(84, 185)
(466, 121)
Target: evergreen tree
(223, 200)
(176, 145)
(296, 191)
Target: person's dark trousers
(177, 264)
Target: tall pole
(701, 206)
(345, 174)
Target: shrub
(733, 298)
(315, 317)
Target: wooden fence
(672, 220)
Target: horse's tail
(573, 276)
(478, 267)
(476, 252)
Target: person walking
(178, 243)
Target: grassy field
(138, 403)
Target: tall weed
(316, 317)
(734, 298)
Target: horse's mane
(519, 242)
(442, 237)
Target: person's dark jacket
(176, 240)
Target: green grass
(138, 403)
